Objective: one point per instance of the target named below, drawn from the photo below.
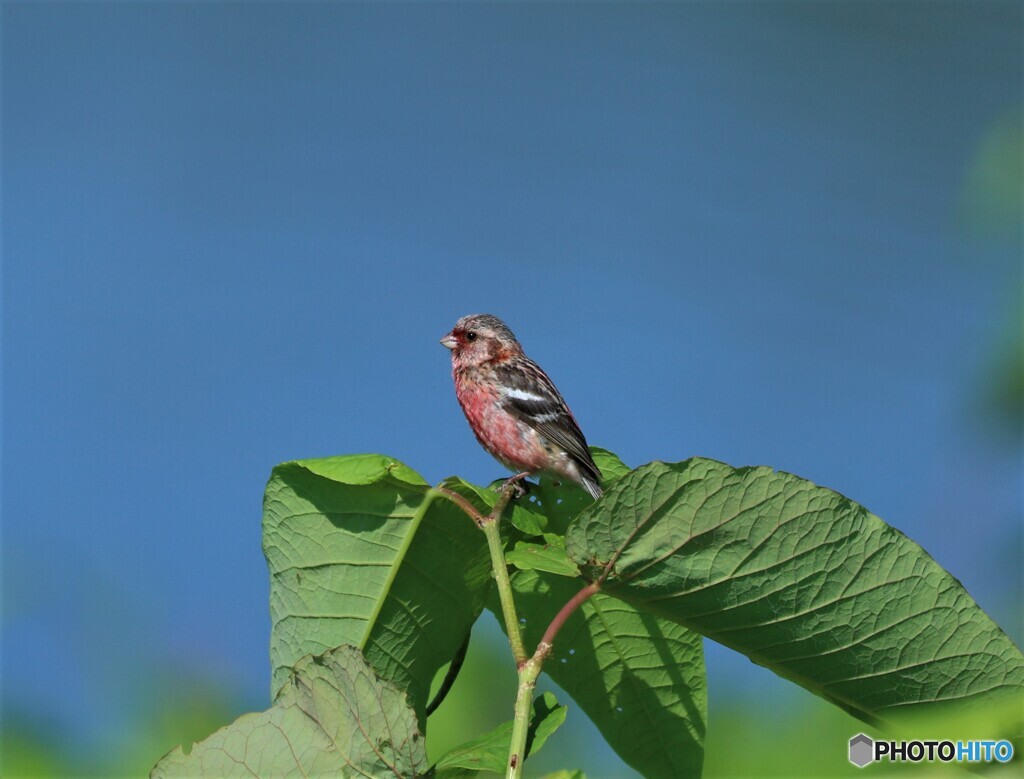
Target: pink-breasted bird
(513, 407)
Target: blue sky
(232, 235)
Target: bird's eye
(471, 335)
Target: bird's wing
(532, 397)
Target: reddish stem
(574, 603)
(462, 503)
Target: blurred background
(783, 234)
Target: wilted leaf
(333, 717)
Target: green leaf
(548, 716)
(611, 467)
(566, 774)
(334, 716)
(639, 677)
(801, 580)
(362, 469)
(489, 752)
(362, 552)
(549, 556)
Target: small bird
(513, 407)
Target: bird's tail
(590, 484)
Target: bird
(513, 408)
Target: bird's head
(480, 338)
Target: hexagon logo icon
(862, 750)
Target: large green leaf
(334, 717)
(362, 552)
(638, 676)
(800, 579)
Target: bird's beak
(449, 342)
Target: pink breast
(513, 443)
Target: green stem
(508, 606)
(490, 526)
(528, 667)
(528, 674)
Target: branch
(462, 503)
(508, 606)
(574, 603)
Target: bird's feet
(517, 485)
